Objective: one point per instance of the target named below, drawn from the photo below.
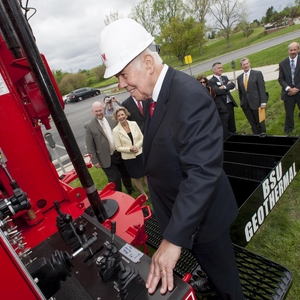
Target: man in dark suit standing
(100, 144)
(252, 94)
(137, 111)
(183, 153)
(289, 79)
(222, 87)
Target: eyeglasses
(202, 82)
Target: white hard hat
(120, 42)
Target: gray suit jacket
(97, 143)
(256, 91)
(285, 77)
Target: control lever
(64, 226)
(131, 284)
(109, 263)
(19, 201)
(49, 273)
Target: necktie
(140, 106)
(246, 81)
(111, 148)
(152, 107)
(293, 70)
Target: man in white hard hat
(183, 153)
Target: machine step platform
(261, 278)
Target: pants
(231, 119)
(224, 116)
(217, 260)
(289, 106)
(253, 119)
(117, 171)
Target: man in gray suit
(100, 144)
(252, 94)
(289, 79)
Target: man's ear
(149, 63)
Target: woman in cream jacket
(129, 141)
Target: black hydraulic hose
(22, 30)
(9, 35)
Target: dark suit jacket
(256, 91)
(223, 93)
(285, 77)
(97, 143)
(135, 114)
(183, 152)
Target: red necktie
(152, 106)
(140, 106)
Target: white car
(66, 98)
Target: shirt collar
(159, 82)
(248, 72)
(218, 77)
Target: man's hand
(293, 91)
(97, 165)
(162, 265)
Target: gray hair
(243, 59)
(215, 64)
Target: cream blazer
(123, 141)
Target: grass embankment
(278, 238)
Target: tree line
(180, 26)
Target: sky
(67, 31)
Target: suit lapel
(297, 67)
(241, 82)
(98, 126)
(287, 67)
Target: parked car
(66, 98)
(83, 93)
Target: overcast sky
(67, 31)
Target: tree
(154, 14)
(144, 14)
(178, 37)
(58, 75)
(199, 9)
(246, 28)
(166, 10)
(71, 82)
(227, 14)
(99, 72)
(269, 14)
(113, 16)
